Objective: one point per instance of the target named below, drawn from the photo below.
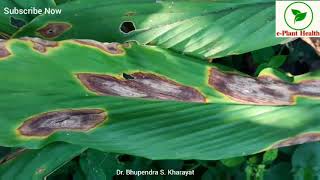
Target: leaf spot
(4, 52)
(41, 45)
(18, 23)
(53, 30)
(47, 123)
(140, 85)
(109, 48)
(299, 139)
(261, 91)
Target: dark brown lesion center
(261, 91)
(54, 30)
(50, 122)
(140, 85)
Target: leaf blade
(224, 128)
(37, 164)
(201, 29)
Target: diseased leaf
(37, 164)
(7, 27)
(12, 22)
(187, 109)
(206, 29)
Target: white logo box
(297, 19)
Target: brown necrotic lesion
(41, 45)
(264, 90)
(299, 139)
(47, 123)
(4, 52)
(54, 29)
(109, 48)
(140, 85)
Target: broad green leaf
(99, 165)
(10, 23)
(306, 161)
(59, 2)
(37, 4)
(93, 170)
(206, 29)
(49, 90)
(37, 164)
(70, 168)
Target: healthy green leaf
(59, 2)
(99, 165)
(306, 161)
(269, 156)
(206, 29)
(37, 4)
(48, 95)
(37, 164)
(71, 168)
(277, 61)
